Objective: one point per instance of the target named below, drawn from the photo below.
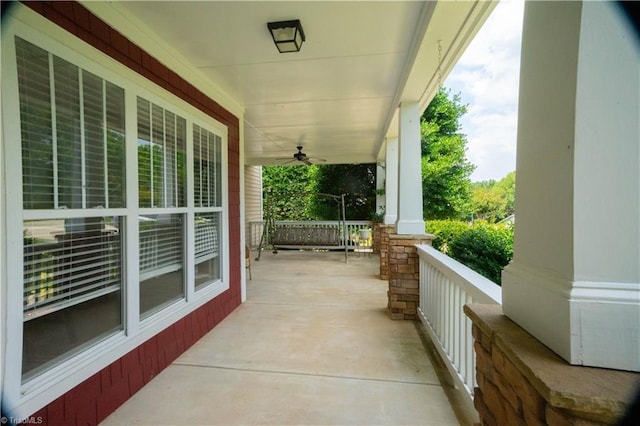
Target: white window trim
(3, 251)
(24, 399)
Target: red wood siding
(94, 399)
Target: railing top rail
(480, 288)
(312, 222)
(306, 222)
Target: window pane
(197, 164)
(68, 136)
(161, 261)
(157, 156)
(207, 153)
(144, 153)
(207, 257)
(94, 133)
(170, 160)
(72, 134)
(35, 125)
(161, 157)
(72, 287)
(181, 160)
(116, 165)
(218, 166)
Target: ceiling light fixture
(287, 35)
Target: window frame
(25, 398)
(221, 208)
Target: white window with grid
(207, 194)
(72, 126)
(101, 206)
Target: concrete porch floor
(312, 345)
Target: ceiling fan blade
(307, 162)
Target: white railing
(352, 231)
(446, 286)
(255, 232)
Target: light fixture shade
(287, 35)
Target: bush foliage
(485, 248)
(445, 231)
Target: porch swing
(320, 235)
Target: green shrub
(485, 248)
(446, 231)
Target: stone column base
(385, 231)
(521, 381)
(375, 240)
(404, 275)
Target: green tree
(507, 189)
(287, 189)
(446, 184)
(493, 201)
(356, 181)
(488, 204)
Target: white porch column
(574, 282)
(410, 220)
(381, 201)
(391, 184)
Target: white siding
(252, 198)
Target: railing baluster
(421, 288)
(428, 296)
(434, 300)
(443, 308)
(445, 314)
(439, 303)
(438, 307)
(450, 313)
(455, 306)
(464, 343)
(434, 296)
(471, 355)
(442, 305)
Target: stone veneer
(375, 238)
(521, 381)
(404, 275)
(384, 231)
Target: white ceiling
(338, 96)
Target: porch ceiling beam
(445, 30)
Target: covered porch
(354, 94)
(312, 344)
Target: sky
(487, 76)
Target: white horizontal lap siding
(252, 199)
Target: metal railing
(352, 232)
(446, 286)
